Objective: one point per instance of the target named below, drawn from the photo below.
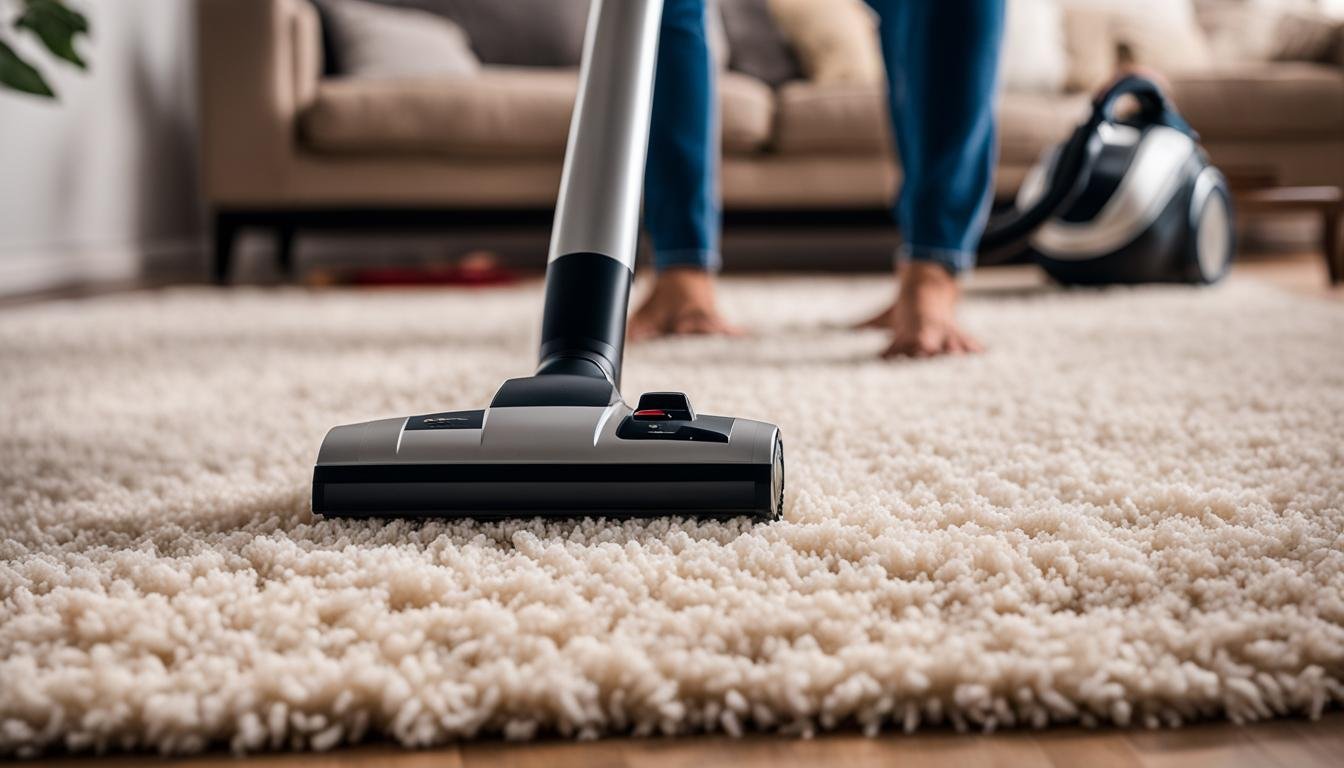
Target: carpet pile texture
(1131, 511)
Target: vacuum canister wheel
(777, 481)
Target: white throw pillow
(1034, 54)
(1161, 34)
(386, 41)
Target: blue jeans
(942, 69)
(681, 178)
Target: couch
(284, 147)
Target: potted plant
(53, 23)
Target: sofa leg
(284, 250)
(226, 233)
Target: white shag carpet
(1130, 510)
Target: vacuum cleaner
(563, 442)
(1122, 201)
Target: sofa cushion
(511, 112)
(817, 119)
(832, 119)
(1278, 101)
(495, 112)
(747, 113)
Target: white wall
(97, 183)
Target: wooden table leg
(1325, 200)
(1330, 243)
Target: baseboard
(47, 268)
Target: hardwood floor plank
(1094, 749)
(608, 753)
(1197, 746)
(354, 757)
(846, 751)
(1301, 742)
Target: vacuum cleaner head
(554, 445)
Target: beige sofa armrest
(260, 62)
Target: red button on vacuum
(652, 414)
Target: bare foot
(923, 321)
(682, 302)
(880, 320)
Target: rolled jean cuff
(697, 258)
(953, 260)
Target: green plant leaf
(72, 18)
(20, 75)
(56, 26)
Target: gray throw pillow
(384, 41)
(756, 46)
(528, 33)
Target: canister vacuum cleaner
(563, 442)
(1132, 200)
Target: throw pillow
(1090, 47)
(1161, 34)
(717, 35)
(332, 66)
(1238, 32)
(524, 33)
(756, 45)
(1168, 40)
(1310, 37)
(1034, 56)
(836, 40)
(384, 41)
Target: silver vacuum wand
(596, 231)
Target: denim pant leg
(942, 61)
(681, 195)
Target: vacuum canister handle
(1154, 106)
(596, 229)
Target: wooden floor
(1302, 273)
(1288, 743)
(1281, 743)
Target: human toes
(971, 344)
(904, 345)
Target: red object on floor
(395, 276)
(475, 269)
